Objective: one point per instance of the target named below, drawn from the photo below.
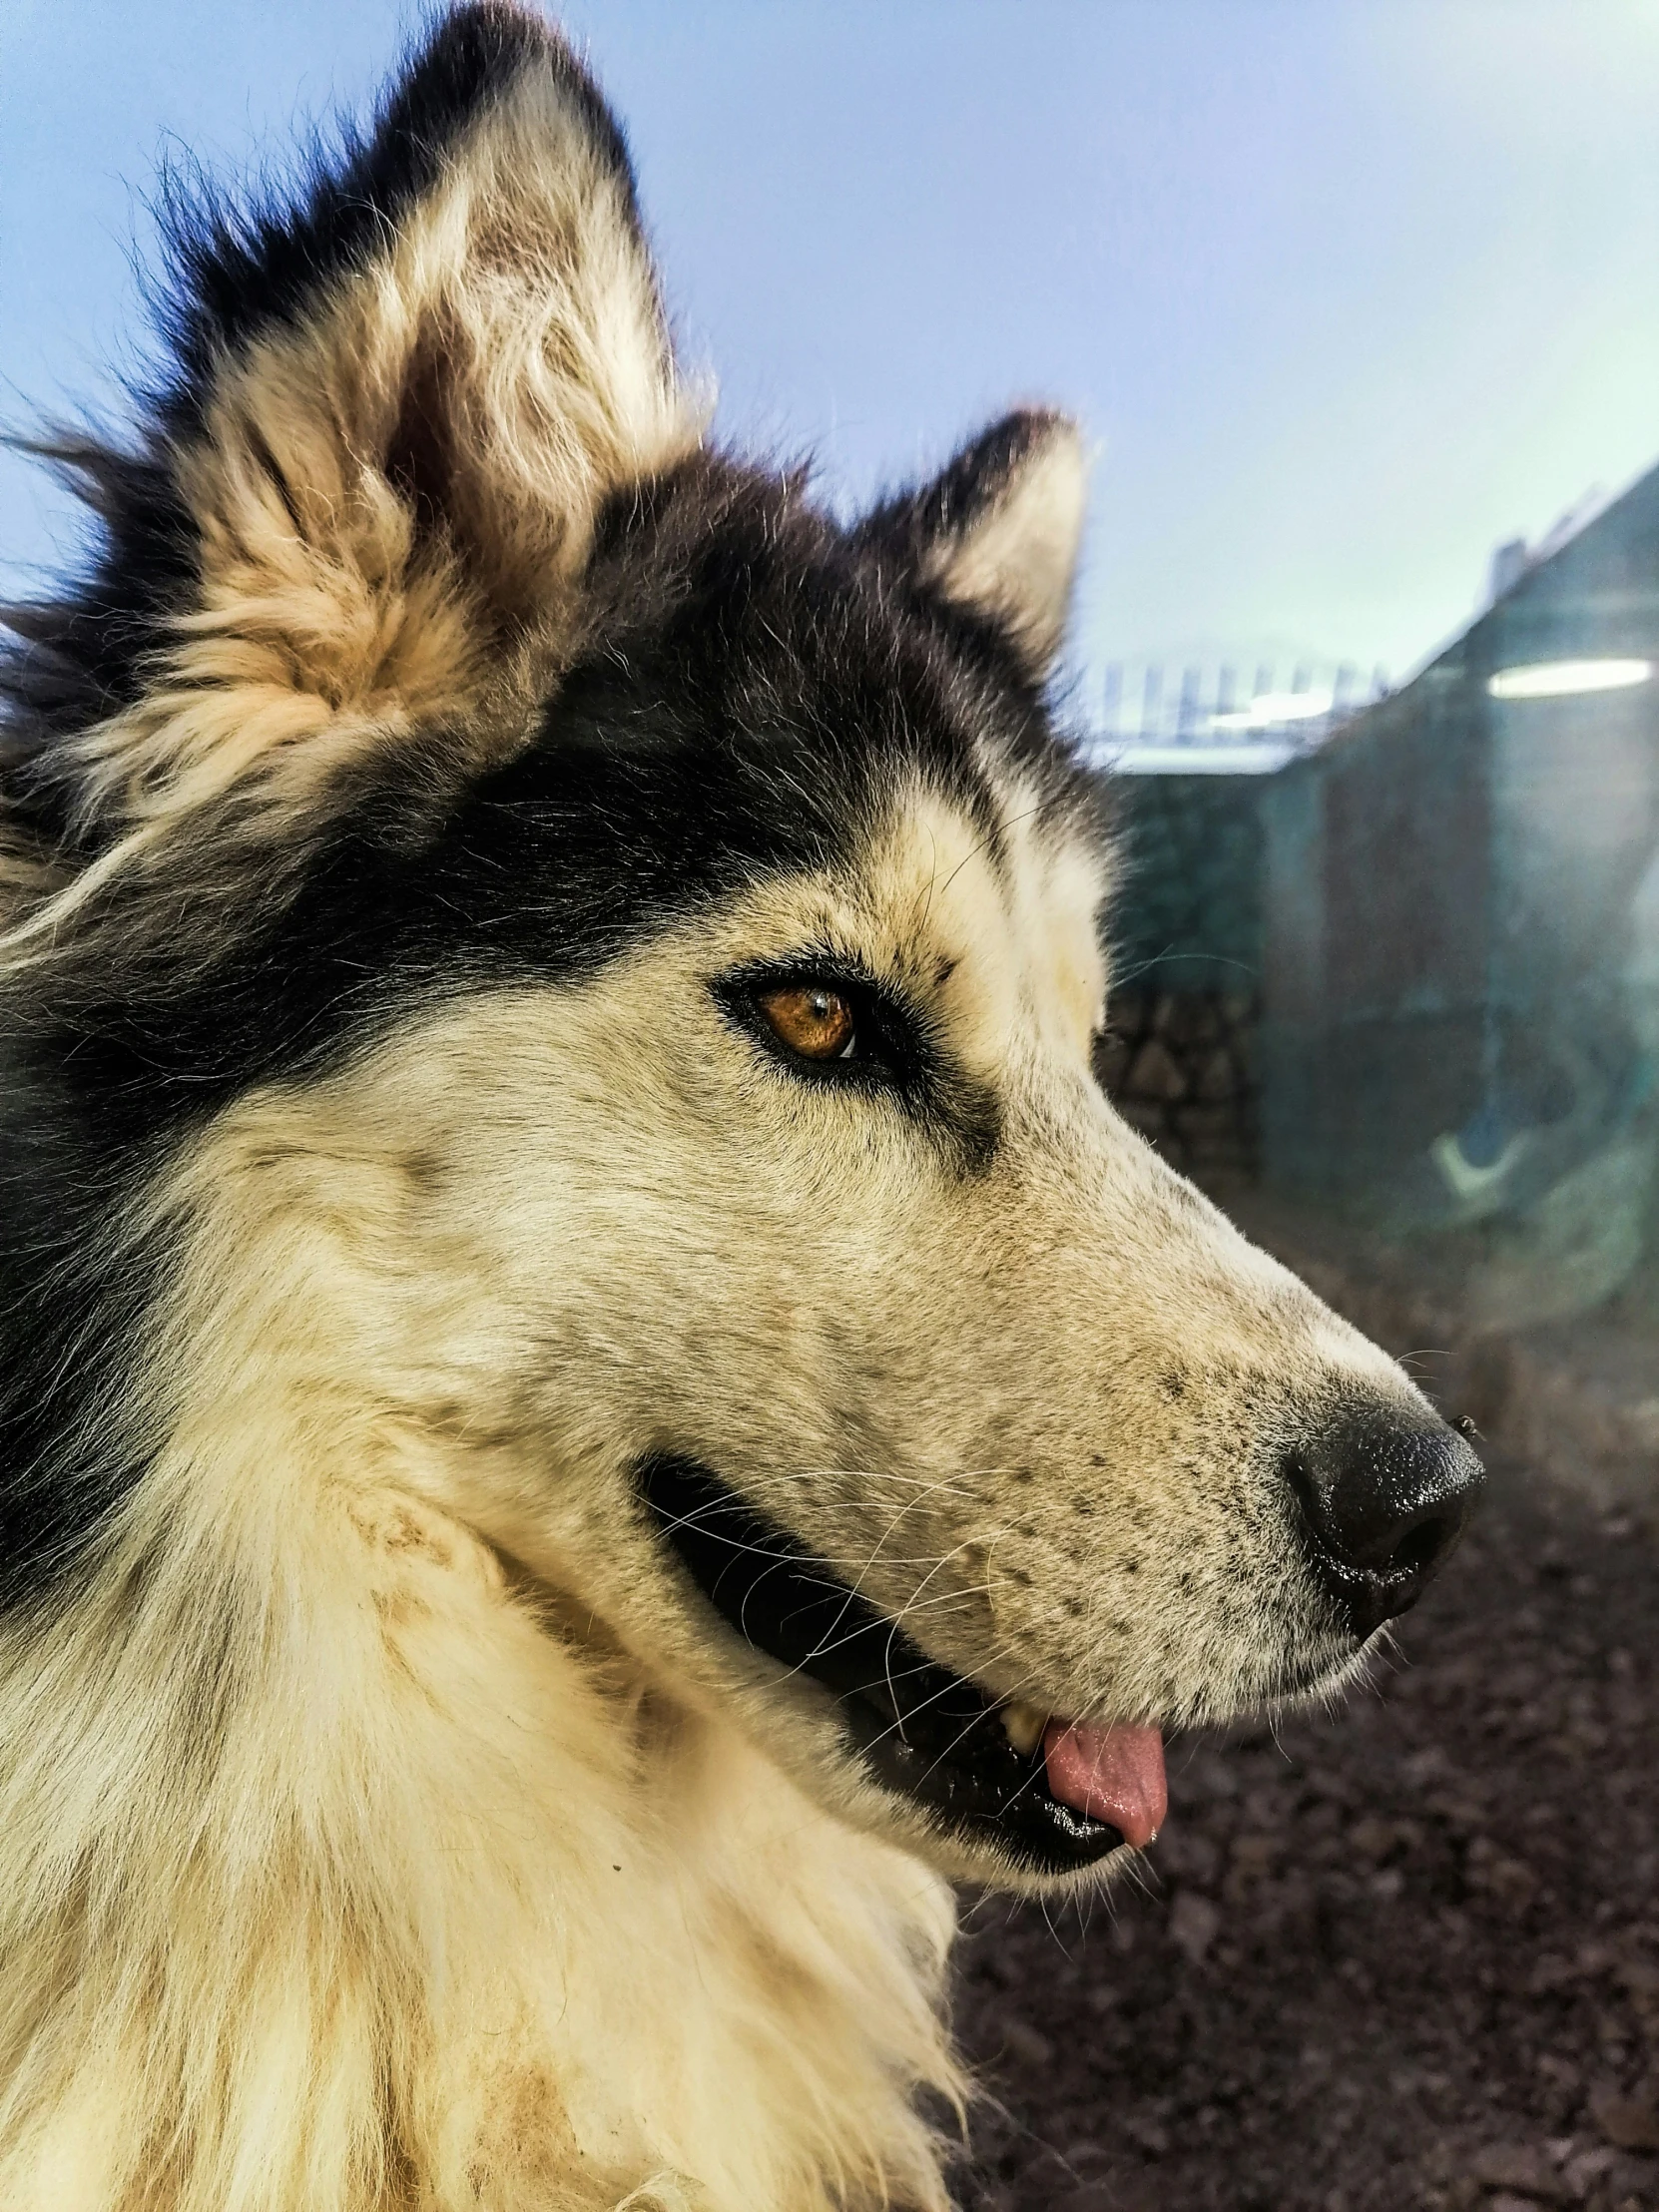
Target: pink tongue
(1110, 1774)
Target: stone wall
(1188, 915)
(1179, 1057)
(1181, 1066)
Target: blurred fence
(1445, 903)
(1262, 714)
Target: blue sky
(1344, 291)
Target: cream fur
(387, 1823)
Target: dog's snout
(1385, 1495)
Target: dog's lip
(925, 1733)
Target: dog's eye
(810, 1020)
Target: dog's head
(601, 963)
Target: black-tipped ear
(998, 528)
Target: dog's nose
(1385, 1495)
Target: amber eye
(810, 1020)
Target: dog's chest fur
(501, 1927)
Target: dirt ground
(1404, 1957)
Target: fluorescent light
(1273, 709)
(1197, 760)
(1561, 679)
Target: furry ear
(396, 411)
(998, 529)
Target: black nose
(1384, 1493)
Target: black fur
(757, 682)
(756, 692)
(914, 522)
(759, 687)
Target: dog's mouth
(1052, 1795)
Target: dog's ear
(998, 528)
(397, 409)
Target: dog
(595, 1404)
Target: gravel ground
(1406, 1957)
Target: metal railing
(1156, 706)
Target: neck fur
(335, 1874)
